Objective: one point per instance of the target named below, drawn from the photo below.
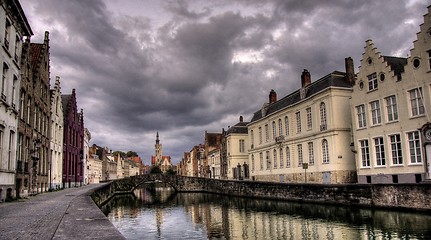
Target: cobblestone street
(65, 214)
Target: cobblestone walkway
(66, 214)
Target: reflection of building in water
(159, 219)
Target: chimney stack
(350, 71)
(272, 96)
(240, 119)
(305, 78)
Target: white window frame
(364, 147)
(391, 108)
(281, 158)
(362, 119)
(372, 82)
(298, 122)
(310, 154)
(323, 120)
(415, 147)
(286, 123)
(396, 149)
(274, 155)
(288, 163)
(379, 150)
(376, 117)
(417, 107)
(300, 155)
(325, 151)
(309, 119)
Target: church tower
(158, 148)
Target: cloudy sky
(186, 67)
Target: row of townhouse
(369, 127)
(41, 131)
(104, 165)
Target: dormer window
(372, 82)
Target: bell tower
(158, 148)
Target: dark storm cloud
(205, 63)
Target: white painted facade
(311, 126)
(13, 27)
(394, 100)
(56, 146)
(214, 163)
(87, 138)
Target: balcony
(279, 139)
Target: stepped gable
(334, 79)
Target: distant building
(15, 160)
(95, 165)
(73, 166)
(214, 163)
(86, 159)
(56, 148)
(305, 136)
(164, 162)
(391, 106)
(212, 142)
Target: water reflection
(165, 215)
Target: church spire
(157, 138)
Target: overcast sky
(186, 67)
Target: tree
(131, 154)
(170, 171)
(122, 154)
(155, 170)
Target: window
(415, 147)
(325, 151)
(252, 163)
(21, 105)
(14, 86)
(10, 157)
(287, 157)
(4, 81)
(391, 108)
(17, 47)
(28, 110)
(416, 103)
(309, 119)
(310, 154)
(322, 116)
(298, 122)
(252, 139)
(375, 112)
(1, 144)
(268, 160)
(360, 111)
(280, 127)
(20, 147)
(396, 150)
(274, 130)
(281, 158)
(266, 132)
(300, 159)
(275, 158)
(372, 81)
(429, 59)
(365, 153)
(380, 151)
(260, 135)
(241, 146)
(286, 124)
(261, 160)
(6, 34)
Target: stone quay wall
(399, 196)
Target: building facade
(214, 163)
(57, 132)
(13, 27)
(86, 159)
(305, 136)
(212, 142)
(237, 150)
(73, 148)
(391, 107)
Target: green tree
(131, 154)
(122, 154)
(155, 170)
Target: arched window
(274, 131)
(287, 157)
(281, 158)
(280, 127)
(286, 124)
(275, 159)
(252, 162)
(322, 116)
(325, 151)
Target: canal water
(162, 214)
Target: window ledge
(417, 116)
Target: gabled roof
(334, 79)
(397, 64)
(36, 52)
(65, 98)
(240, 127)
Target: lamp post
(305, 167)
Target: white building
(237, 150)
(391, 103)
(305, 136)
(214, 163)
(13, 27)
(87, 138)
(56, 147)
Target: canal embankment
(392, 196)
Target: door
(326, 177)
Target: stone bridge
(400, 196)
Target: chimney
(272, 96)
(240, 119)
(350, 71)
(305, 78)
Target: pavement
(64, 214)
